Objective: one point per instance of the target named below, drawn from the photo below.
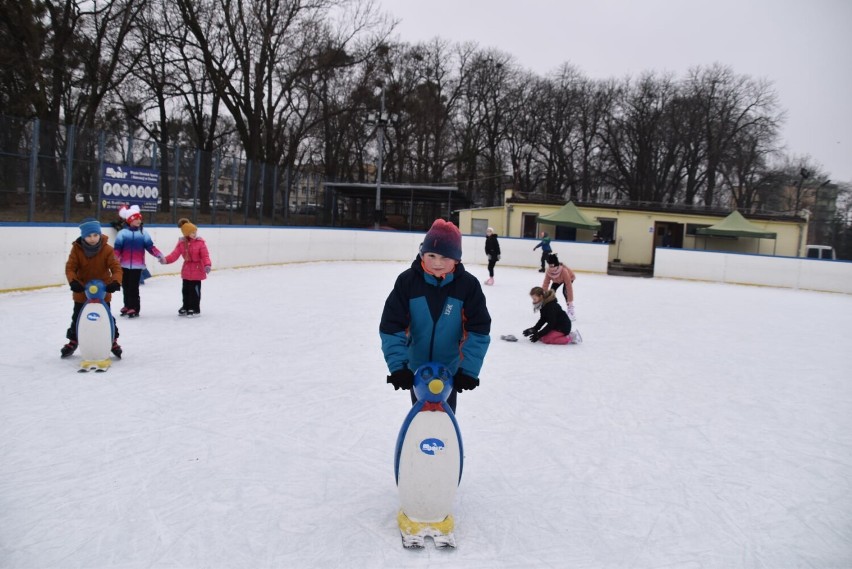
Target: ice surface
(699, 425)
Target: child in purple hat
(436, 312)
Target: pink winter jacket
(560, 274)
(195, 258)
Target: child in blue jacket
(545, 248)
(131, 243)
(436, 312)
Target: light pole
(381, 120)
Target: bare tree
(640, 139)
(261, 56)
(728, 105)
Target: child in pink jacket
(558, 274)
(196, 266)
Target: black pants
(130, 286)
(192, 295)
(491, 262)
(71, 334)
(544, 255)
(555, 286)
(451, 400)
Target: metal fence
(53, 173)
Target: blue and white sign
(129, 185)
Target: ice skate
(575, 337)
(68, 348)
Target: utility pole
(381, 121)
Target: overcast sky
(803, 46)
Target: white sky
(698, 425)
(803, 47)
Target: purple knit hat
(443, 238)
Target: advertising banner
(129, 185)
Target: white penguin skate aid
(95, 330)
(428, 462)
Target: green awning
(570, 216)
(735, 225)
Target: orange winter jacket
(103, 266)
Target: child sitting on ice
(554, 326)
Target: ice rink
(699, 425)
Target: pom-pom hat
(129, 214)
(187, 228)
(443, 238)
(88, 226)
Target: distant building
(633, 232)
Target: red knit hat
(443, 238)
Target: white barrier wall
(35, 255)
(786, 272)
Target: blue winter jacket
(426, 319)
(130, 246)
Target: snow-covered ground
(698, 426)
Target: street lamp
(381, 120)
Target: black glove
(76, 286)
(529, 331)
(463, 381)
(402, 379)
(114, 286)
(534, 337)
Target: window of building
(606, 234)
(478, 226)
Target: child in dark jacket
(546, 249)
(91, 257)
(492, 251)
(554, 326)
(196, 266)
(436, 312)
(130, 246)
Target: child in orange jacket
(91, 257)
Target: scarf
(91, 250)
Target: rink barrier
(34, 255)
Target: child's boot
(68, 348)
(116, 349)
